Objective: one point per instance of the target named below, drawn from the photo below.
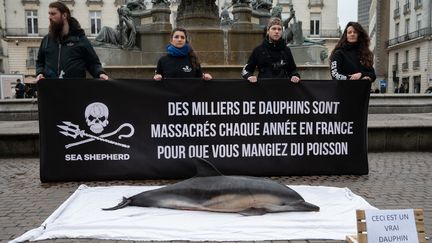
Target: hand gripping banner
(146, 129)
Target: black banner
(145, 129)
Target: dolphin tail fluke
(125, 202)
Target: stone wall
(217, 71)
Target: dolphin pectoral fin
(125, 202)
(253, 212)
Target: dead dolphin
(209, 190)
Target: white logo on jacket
(334, 72)
(187, 69)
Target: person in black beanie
(272, 57)
(181, 61)
(66, 52)
(351, 58)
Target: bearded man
(66, 52)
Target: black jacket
(177, 67)
(74, 55)
(19, 90)
(274, 60)
(345, 61)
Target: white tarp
(81, 217)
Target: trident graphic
(71, 130)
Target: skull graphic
(96, 115)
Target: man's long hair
(363, 40)
(63, 9)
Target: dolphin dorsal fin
(204, 168)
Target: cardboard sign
(391, 226)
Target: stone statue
(262, 5)
(226, 20)
(297, 31)
(299, 39)
(198, 13)
(288, 34)
(323, 55)
(236, 3)
(293, 33)
(125, 33)
(128, 29)
(135, 5)
(161, 3)
(108, 35)
(277, 11)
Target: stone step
(19, 138)
(400, 132)
(19, 110)
(386, 132)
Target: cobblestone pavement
(396, 180)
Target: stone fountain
(223, 49)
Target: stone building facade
(26, 22)
(3, 50)
(319, 21)
(378, 31)
(409, 46)
(363, 16)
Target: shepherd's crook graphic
(72, 130)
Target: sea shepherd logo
(96, 115)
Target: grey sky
(347, 11)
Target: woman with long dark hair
(351, 57)
(181, 61)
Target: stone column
(260, 17)
(242, 16)
(244, 36)
(198, 14)
(153, 33)
(241, 42)
(201, 19)
(161, 18)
